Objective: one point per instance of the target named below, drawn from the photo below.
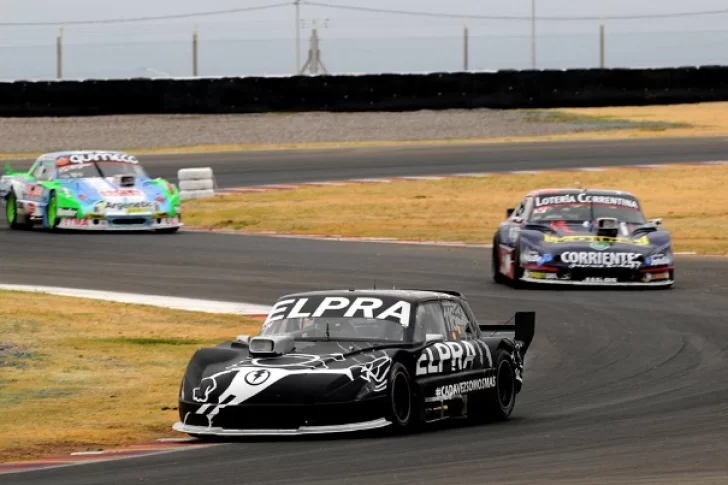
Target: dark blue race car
(582, 237)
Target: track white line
(175, 303)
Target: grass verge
(698, 119)
(691, 200)
(80, 375)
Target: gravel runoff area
(28, 135)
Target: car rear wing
(522, 330)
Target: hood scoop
(125, 180)
(607, 226)
(271, 346)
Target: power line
(365, 9)
(518, 18)
(144, 19)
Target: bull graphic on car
(350, 360)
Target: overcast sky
(262, 42)
(279, 22)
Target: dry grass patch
(705, 119)
(79, 374)
(690, 199)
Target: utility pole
(533, 34)
(59, 54)
(195, 48)
(601, 44)
(465, 47)
(314, 62)
(297, 3)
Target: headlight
(530, 256)
(658, 259)
(530, 253)
(661, 256)
(366, 389)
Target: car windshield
(336, 329)
(578, 208)
(106, 169)
(339, 318)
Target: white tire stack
(196, 183)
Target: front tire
(401, 409)
(672, 278)
(498, 277)
(11, 214)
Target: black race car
(582, 237)
(349, 360)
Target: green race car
(90, 191)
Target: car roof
(404, 294)
(68, 153)
(571, 190)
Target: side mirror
(432, 338)
(657, 221)
(510, 211)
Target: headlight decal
(660, 256)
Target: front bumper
(282, 419)
(646, 277)
(301, 430)
(121, 223)
(589, 283)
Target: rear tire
(50, 218)
(169, 230)
(503, 400)
(496, 404)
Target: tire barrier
(196, 183)
(368, 92)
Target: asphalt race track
(621, 386)
(281, 167)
